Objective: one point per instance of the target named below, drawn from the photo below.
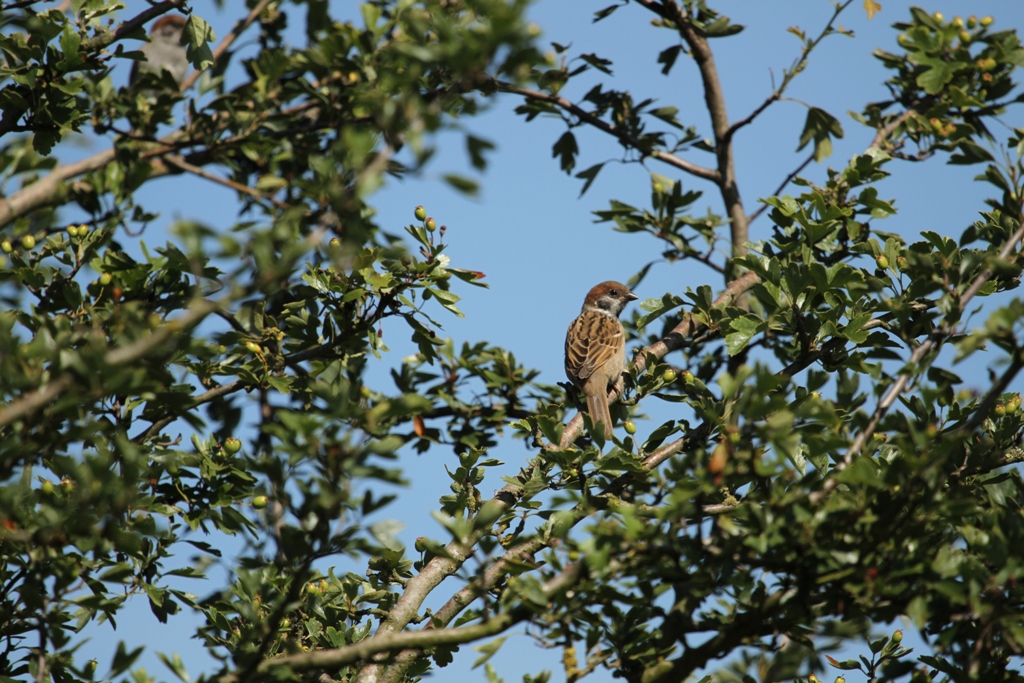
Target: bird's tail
(597, 407)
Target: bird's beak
(630, 296)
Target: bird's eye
(613, 292)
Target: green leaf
(590, 174)
(606, 12)
(668, 58)
(743, 330)
(488, 650)
(566, 150)
(598, 63)
(935, 78)
(176, 666)
(476, 147)
(820, 126)
(462, 184)
(197, 37)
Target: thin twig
(604, 126)
(179, 162)
(790, 74)
(782, 185)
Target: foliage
(826, 470)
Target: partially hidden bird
(164, 51)
(595, 348)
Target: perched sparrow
(595, 348)
(164, 52)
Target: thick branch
(329, 659)
(395, 671)
(714, 99)
(44, 191)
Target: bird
(164, 51)
(595, 348)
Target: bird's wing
(592, 340)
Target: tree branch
(456, 552)
(47, 190)
(933, 341)
(791, 73)
(332, 659)
(783, 184)
(113, 358)
(179, 162)
(623, 137)
(714, 99)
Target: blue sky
(536, 240)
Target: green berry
(630, 427)
(260, 502)
(232, 445)
(687, 377)
(897, 636)
(939, 17)
(28, 241)
(253, 347)
(882, 261)
(106, 279)
(669, 376)
(1000, 410)
(431, 224)
(7, 246)
(335, 243)
(986, 21)
(420, 213)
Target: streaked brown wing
(592, 340)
